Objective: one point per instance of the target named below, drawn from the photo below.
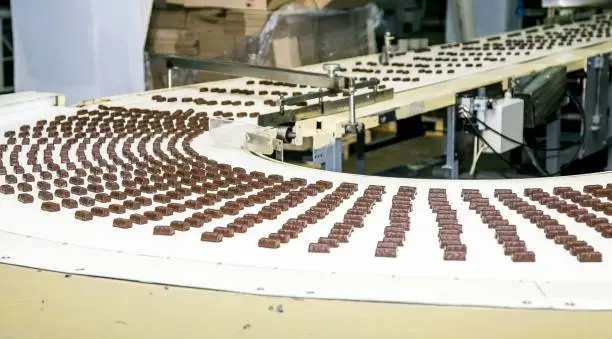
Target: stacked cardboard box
(264, 5)
(209, 32)
(202, 33)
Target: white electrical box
(506, 118)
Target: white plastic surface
(57, 241)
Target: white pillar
(83, 49)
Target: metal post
(553, 143)
(603, 102)
(608, 93)
(278, 150)
(351, 99)
(451, 166)
(595, 104)
(360, 152)
(169, 77)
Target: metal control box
(505, 125)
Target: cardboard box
(162, 18)
(213, 18)
(217, 44)
(235, 4)
(171, 41)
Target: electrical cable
(516, 142)
(583, 131)
(477, 153)
(488, 145)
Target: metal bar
(169, 77)
(589, 102)
(328, 107)
(360, 153)
(450, 165)
(596, 105)
(256, 71)
(321, 94)
(553, 143)
(351, 103)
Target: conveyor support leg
(451, 167)
(360, 152)
(596, 104)
(553, 143)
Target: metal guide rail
(330, 84)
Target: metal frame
(597, 127)
(329, 156)
(596, 98)
(451, 165)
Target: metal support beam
(553, 145)
(360, 152)
(330, 156)
(451, 166)
(596, 104)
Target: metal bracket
(296, 99)
(327, 108)
(278, 149)
(387, 117)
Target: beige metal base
(40, 304)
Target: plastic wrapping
(322, 35)
(293, 36)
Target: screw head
(331, 68)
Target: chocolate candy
(49, 206)
(69, 203)
(25, 198)
(268, 243)
(83, 215)
(163, 230)
(318, 248)
(211, 237)
(7, 189)
(122, 223)
(100, 212)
